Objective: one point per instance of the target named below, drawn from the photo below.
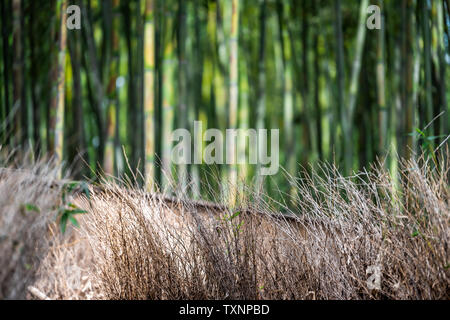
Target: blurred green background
(137, 70)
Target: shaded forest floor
(365, 237)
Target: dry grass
(32, 249)
(135, 245)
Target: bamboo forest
(107, 94)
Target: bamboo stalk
(57, 103)
(149, 94)
(111, 112)
(288, 96)
(381, 85)
(17, 72)
(182, 89)
(234, 98)
(169, 98)
(261, 104)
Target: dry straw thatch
(136, 245)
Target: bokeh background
(107, 97)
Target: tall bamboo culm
(17, 72)
(182, 174)
(57, 103)
(111, 112)
(168, 92)
(381, 85)
(234, 98)
(288, 94)
(261, 107)
(149, 93)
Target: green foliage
(29, 207)
(67, 211)
(230, 221)
(230, 217)
(73, 185)
(337, 91)
(427, 142)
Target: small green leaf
(71, 186)
(63, 222)
(431, 138)
(85, 188)
(75, 211)
(238, 228)
(74, 221)
(67, 188)
(420, 132)
(235, 215)
(31, 207)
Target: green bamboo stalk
(309, 157)
(221, 62)
(78, 149)
(416, 65)
(243, 116)
(234, 98)
(221, 76)
(57, 112)
(34, 76)
(169, 98)
(209, 93)
(394, 123)
(139, 32)
(196, 54)
(17, 72)
(94, 81)
(288, 94)
(6, 67)
(317, 104)
(261, 104)
(407, 83)
(356, 69)
(354, 87)
(427, 62)
(134, 114)
(444, 121)
(182, 86)
(111, 115)
(381, 85)
(340, 81)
